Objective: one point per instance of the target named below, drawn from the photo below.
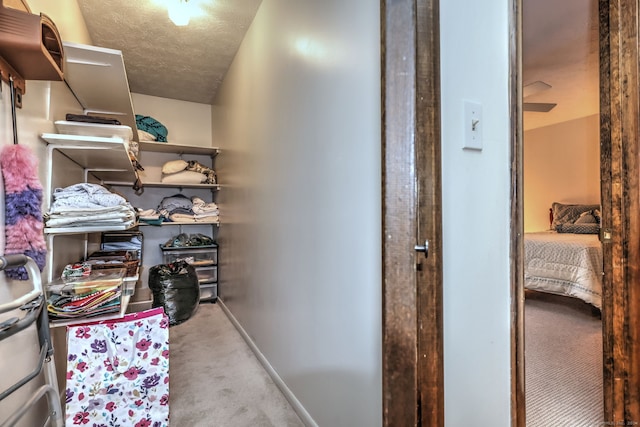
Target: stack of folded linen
(203, 211)
(180, 208)
(89, 205)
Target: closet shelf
(162, 185)
(107, 158)
(57, 231)
(171, 224)
(174, 149)
(162, 147)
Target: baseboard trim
(288, 394)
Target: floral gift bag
(118, 372)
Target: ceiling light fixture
(534, 88)
(179, 12)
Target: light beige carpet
(215, 379)
(563, 364)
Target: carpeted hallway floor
(215, 379)
(563, 364)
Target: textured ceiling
(560, 47)
(161, 59)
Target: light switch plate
(472, 125)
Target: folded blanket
(83, 196)
(174, 202)
(115, 218)
(193, 218)
(148, 214)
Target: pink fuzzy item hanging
(23, 196)
(19, 169)
(24, 235)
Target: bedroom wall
(561, 164)
(43, 103)
(298, 121)
(476, 214)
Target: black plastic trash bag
(175, 288)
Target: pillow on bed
(590, 217)
(592, 228)
(569, 214)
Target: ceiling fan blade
(534, 88)
(539, 107)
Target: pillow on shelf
(184, 177)
(174, 166)
(569, 214)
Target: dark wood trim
(399, 213)
(429, 176)
(606, 107)
(626, 310)
(412, 363)
(620, 168)
(517, 212)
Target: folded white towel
(200, 206)
(148, 214)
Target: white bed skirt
(564, 264)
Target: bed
(567, 260)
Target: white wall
(187, 123)
(475, 65)
(298, 121)
(561, 164)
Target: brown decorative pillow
(568, 214)
(578, 228)
(587, 218)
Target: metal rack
(33, 304)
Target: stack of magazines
(95, 294)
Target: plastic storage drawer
(207, 274)
(194, 255)
(209, 292)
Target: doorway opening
(563, 260)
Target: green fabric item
(151, 125)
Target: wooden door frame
(413, 386)
(620, 142)
(516, 131)
(620, 198)
(409, 32)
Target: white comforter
(564, 264)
